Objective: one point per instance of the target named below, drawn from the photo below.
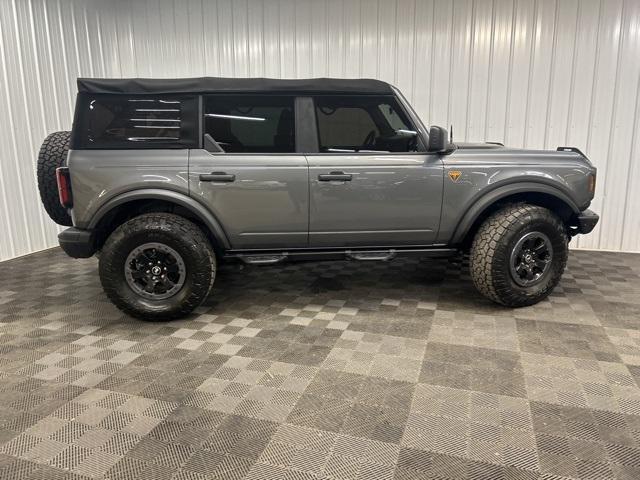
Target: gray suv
(166, 178)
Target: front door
(369, 186)
(374, 200)
(258, 188)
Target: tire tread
(110, 274)
(490, 275)
(53, 154)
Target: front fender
(471, 211)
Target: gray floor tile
(345, 370)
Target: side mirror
(438, 139)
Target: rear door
(258, 188)
(369, 184)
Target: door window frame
(307, 137)
(422, 141)
(296, 123)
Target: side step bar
(372, 255)
(266, 257)
(262, 259)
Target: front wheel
(157, 266)
(519, 254)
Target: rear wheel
(519, 254)
(157, 266)
(53, 154)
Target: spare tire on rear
(53, 154)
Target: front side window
(136, 121)
(363, 123)
(251, 123)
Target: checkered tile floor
(342, 370)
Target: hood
(479, 145)
(497, 153)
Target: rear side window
(363, 123)
(251, 123)
(138, 121)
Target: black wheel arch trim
(195, 207)
(480, 204)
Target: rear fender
(176, 198)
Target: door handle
(217, 177)
(335, 176)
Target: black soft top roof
(220, 84)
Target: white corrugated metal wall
(534, 73)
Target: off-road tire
(179, 234)
(53, 154)
(491, 251)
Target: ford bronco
(165, 178)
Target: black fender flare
(480, 204)
(195, 207)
